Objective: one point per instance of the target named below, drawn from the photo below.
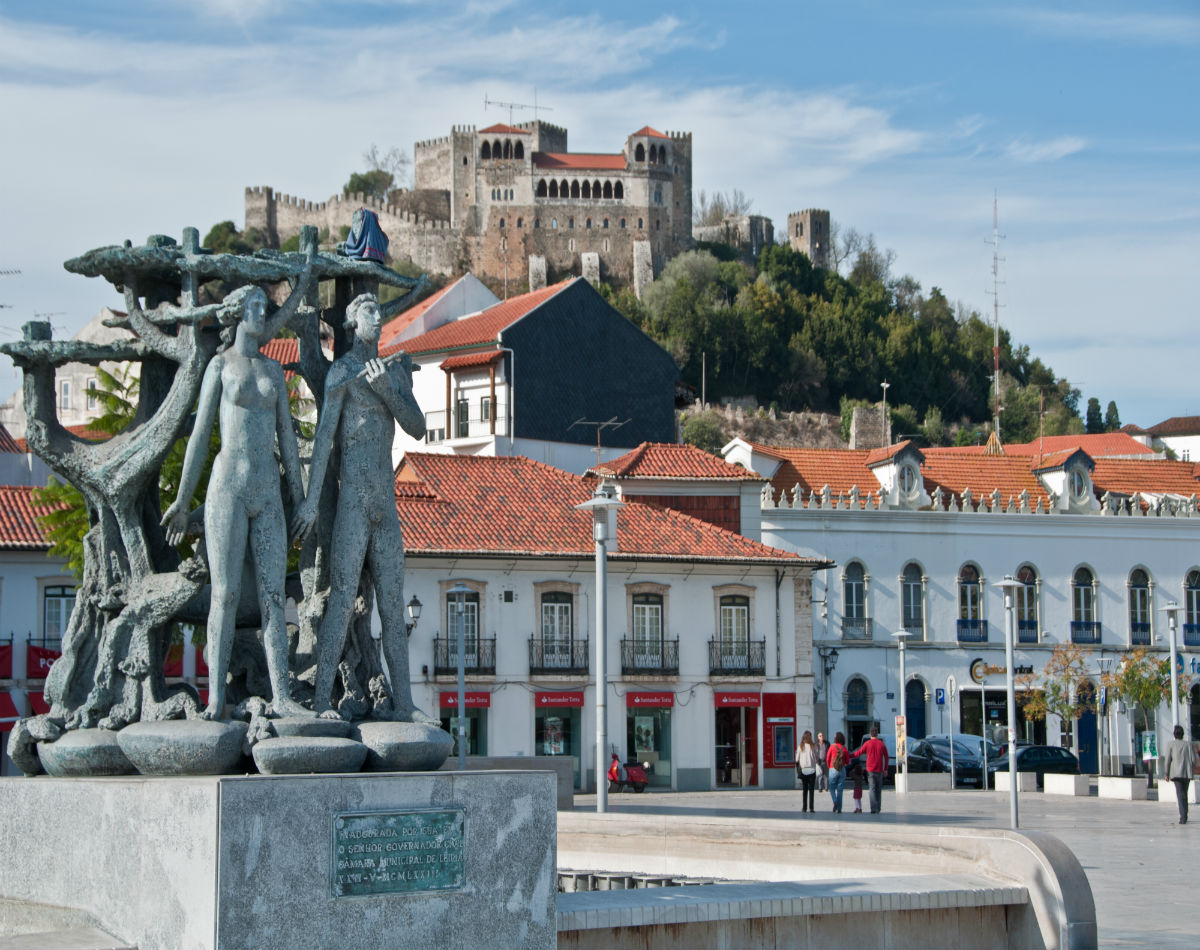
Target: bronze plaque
(397, 852)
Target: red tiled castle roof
(592, 160)
(647, 130)
(664, 460)
(503, 129)
(455, 504)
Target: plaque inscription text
(396, 852)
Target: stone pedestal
(1128, 789)
(1078, 785)
(357, 860)
(1026, 781)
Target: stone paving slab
(1140, 862)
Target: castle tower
(808, 233)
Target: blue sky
(131, 118)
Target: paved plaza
(1138, 859)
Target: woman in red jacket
(837, 759)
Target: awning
(567, 698)
(38, 661)
(471, 360)
(37, 702)
(6, 661)
(480, 699)
(8, 712)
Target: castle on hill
(511, 200)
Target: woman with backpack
(806, 769)
(837, 760)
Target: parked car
(975, 744)
(1037, 758)
(932, 754)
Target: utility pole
(995, 291)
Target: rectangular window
(647, 625)
(968, 600)
(470, 626)
(556, 628)
(64, 394)
(58, 601)
(462, 419)
(485, 409)
(913, 612)
(1083, 603)
(92, 400)
(735, 625)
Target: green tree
(224, 238)
(1093, 422)
(1061, 689)
(374, 183)
(1112, 418)
(934, 427)
(704, 431)
(1143, 681)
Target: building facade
(920, 538)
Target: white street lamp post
(902, 753)
(460, 591)
(1172, 612)
(599, 505)
(1010, 585)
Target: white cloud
(1142, 27)
(1052, 150)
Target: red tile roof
(394, 327)
(1177, 425)
(1099, 445)
(1132, 428)
(483, 327)
(514, 506)
(982, 474)
(646, 130)
(882, 454)
(579, 160)
(504, 130)
(8, 443)
(471, 360)
(19, 530)
(676, 462)
(1157, 477)
(282, 350)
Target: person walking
(837, 759)
(822, 765)
(857, 778)
(877, 766)
(806, 770)
(1178, 766)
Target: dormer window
(910, 480)
(1078, 482)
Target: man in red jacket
(877, 766)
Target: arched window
(485, 151)
(639, 153)
(520, 222)
(553, 189)
(537, 223)
(554, 224)
(571, 223)
(596, 190)
(497, 149)
(1027, 605)
(1084, 628)
(605, 225)
(854, 602)
(518, 150)
(971, 625)
(653, 154)
(657, 224)
(1139, 608)
(588, 224)
(608, 189)
(618, 191)
(587, 189)
(574, 189)
(1191, 608)
(640, 224)
(912, 600)
(502, 223)
(542, 190)
(622, 224)
(858, 699)
(658, 196)
(564, 189)
(508, 148)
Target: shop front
(736, 739)
(477, 703)
(558, 728)
(648, 734)
(779, 740)
(983, 705)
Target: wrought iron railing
(639, 657)
(1139, 633)
(1191, 634)
(972, 631)
(733, 658)
(552, 655)
(1027, 631)
(857, 628)
(1085, 631)
(479, 656)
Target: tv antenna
(7, 273)
(995, 292)
(510, 106)
(600, 427)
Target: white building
(708, 646)
(921, 537)
(1180, 434)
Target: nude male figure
(364, 399)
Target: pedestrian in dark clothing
(1178, 766)
(822, 765)
(806, 770)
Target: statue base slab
(446, 859)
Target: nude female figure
(243, 505)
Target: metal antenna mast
(510, 106)
(600, 427)
(7, 273)
(995, 292)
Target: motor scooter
(632, 775)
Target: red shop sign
(8, 710)
(38, 703)
(649, 699)
(572, 698)
(38, 661)
(6, 662)
(723, 700)
(474, 700)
